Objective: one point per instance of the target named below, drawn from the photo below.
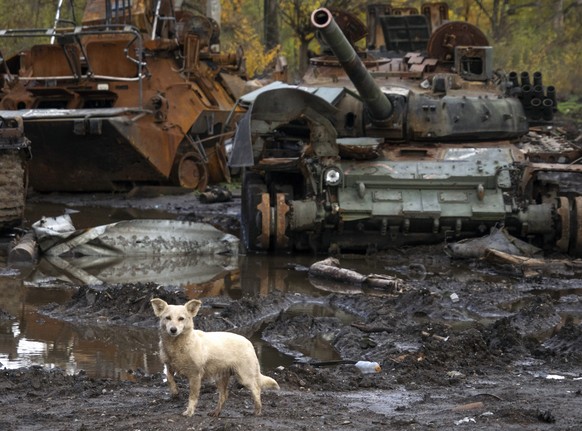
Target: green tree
(241, 27)
(545, 38)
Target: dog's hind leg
(252, 384)
(222, 386)
(255, 389)
(195, 382)
(256, 394)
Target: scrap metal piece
(146, 238)
(330, 269)
(498, 239)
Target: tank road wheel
(190, 171)
(253, 190)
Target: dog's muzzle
(173, 330)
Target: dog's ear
(193, 306)
(159, 305)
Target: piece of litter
(555, 377)
(465, 421)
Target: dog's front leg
(195, 382)
(171, 381)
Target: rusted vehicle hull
(91, 150)
(123, 100)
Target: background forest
(527, 34)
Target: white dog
(200, 355)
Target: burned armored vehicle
(415, 140)
(138, 93)
(14, 158)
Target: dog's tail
(268, 383)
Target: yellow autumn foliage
(241, 29)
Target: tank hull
(454, 153)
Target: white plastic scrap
(555, 377)
(465, 420)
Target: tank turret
(379, 106)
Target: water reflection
(161, 269)
(28, 337)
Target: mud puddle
(28, 337)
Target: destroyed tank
(14, 158)
(416, 140)
(137, 94)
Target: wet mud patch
(129, 304)
(123, 304)
(439, 357)
(567, 342)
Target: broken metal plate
(147, 238)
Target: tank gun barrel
(379, 106)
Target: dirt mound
(567, 342)
(115, 304)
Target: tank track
(12, 189)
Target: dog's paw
(214, 413)
(188, 412)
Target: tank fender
(274, 108)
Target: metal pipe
(535, 108)
(375, 100)
(156, 18)
(548, 109)
(513, 79)
(551, 94)
(57, 18)
(526, 94)
(537, 78)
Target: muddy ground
(506, 355)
